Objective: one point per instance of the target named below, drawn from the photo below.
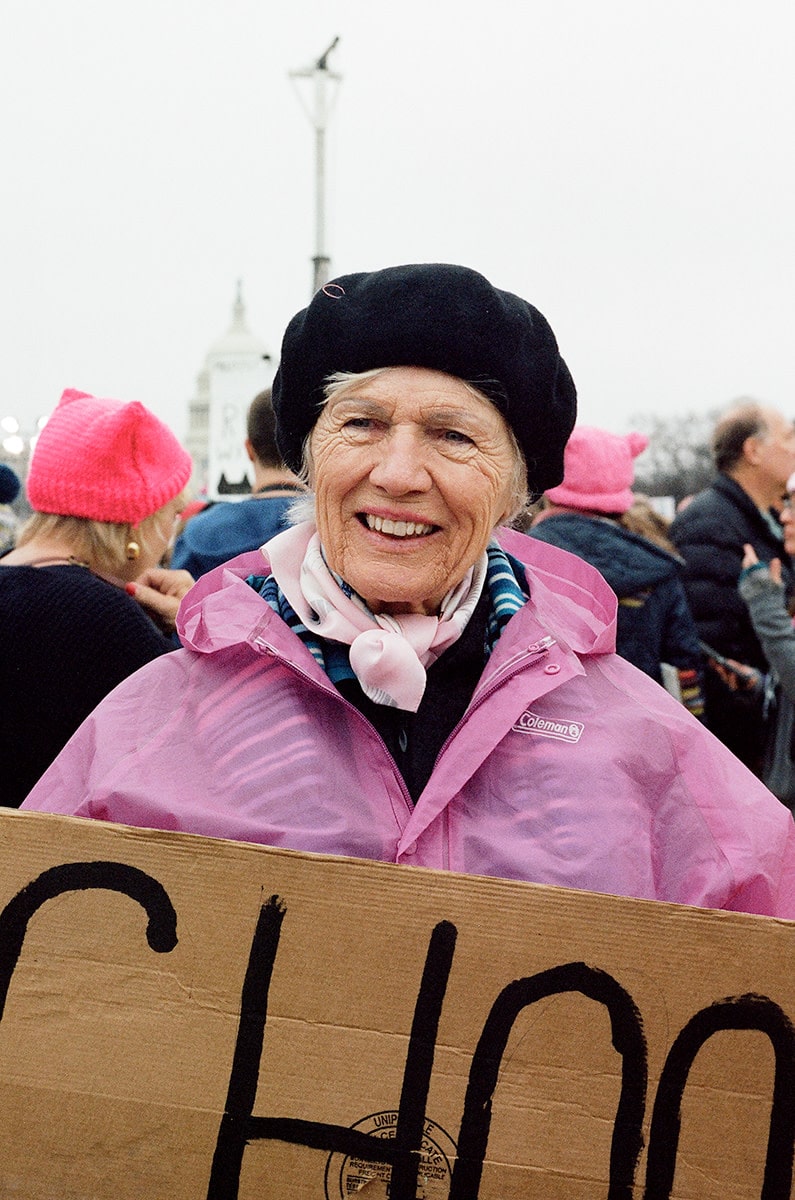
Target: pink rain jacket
(570, 767)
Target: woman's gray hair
(303, 508)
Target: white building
(236, 368)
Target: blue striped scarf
(505, 584)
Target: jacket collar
(568, 597)
(731, 490)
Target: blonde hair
(642, 518)
(303, 508)
(102, 544)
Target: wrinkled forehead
(414, 393)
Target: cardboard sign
(183, 1018)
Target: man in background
(222, 530)
(753, 449)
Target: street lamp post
(323, 98)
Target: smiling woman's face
(411, 473)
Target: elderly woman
(399, 676)
(106, 484)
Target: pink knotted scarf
(389, 655)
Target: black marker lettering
(627, 1038)
(161, 930)
(239, 1126)
(737, 1012)
(402, 1153)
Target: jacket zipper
(507, 671)
(332, 691)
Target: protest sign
(183, 1018)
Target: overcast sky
(625, 165)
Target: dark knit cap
(435, 315)
(9, 484)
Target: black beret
(435, 315)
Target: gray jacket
(772, 623)
(774, 627)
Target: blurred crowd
(108, 575)
(705, 602)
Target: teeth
(397, 528)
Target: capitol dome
(238, 339)
(238, 355)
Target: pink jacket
(570, 766)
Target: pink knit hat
(598, 470)
(105, 460)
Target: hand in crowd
(736, 675)
(750, 559)
(159, 591)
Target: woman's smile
(396, 527)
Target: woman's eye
(358, 423)
(455, 435)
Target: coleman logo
(564, 731)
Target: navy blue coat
(654, 622)
(710, 534)
(224, 530)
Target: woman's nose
(400, 466)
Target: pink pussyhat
(105, 460)
(598, 470)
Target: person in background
(754, 453)
(9, 490)
(401, 677)
(585, 515)
(221, 531)
(762, 589)
(643, 518)
(106, 485)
